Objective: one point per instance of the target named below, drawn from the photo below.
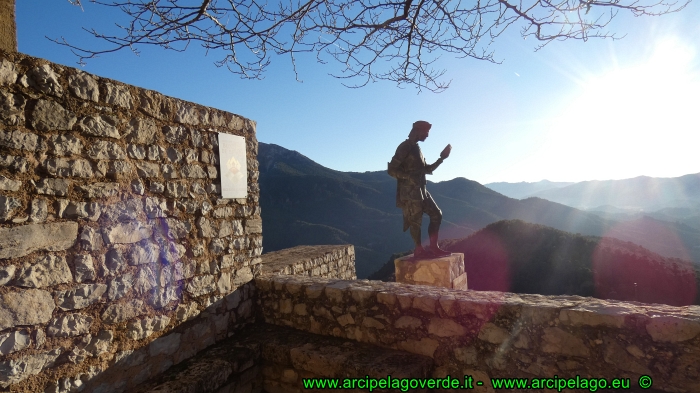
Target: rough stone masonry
(115, 245)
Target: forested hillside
(520, 257)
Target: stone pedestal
(447, 272)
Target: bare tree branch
(374, 40)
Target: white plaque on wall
(232, 166)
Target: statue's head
(420, 130)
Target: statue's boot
(421, 252)
(435, 250)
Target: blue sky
(572, 111)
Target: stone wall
(316, 261)
(494, 334)
(116, 249)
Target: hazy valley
(305, 203)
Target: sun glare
(640, 119)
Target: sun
(637, 119)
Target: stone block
(17, 370)
(100, 190)
(174, 155)
(176, 190)
(446, 272)
(118, 95)
(8, 72)
(114, 169)
(84, 86)
(556, 340)
(136, 151)
(8, 207)
(185, 312)
(137, 187)
(64, 144)
(207, 228)
(156, 208)
(12, 108)
(144, 252)
(9, 184)
(49, 115)
(672, 328)
(103, 125)
(84, 268)
(493, 334)
(169, 171)
(201, 285)
(100, 343)
(123, 211)
(90, 239)
(46, 271)
(19, 140)
(460, 282)
(255, 226)
(142, 328)
(7, 273)
(223, 212)
(147, 170)
(29, 307)
(175, 135)
(105, 150)
(191, 155)
(193, 171)
(112, 262)
(156, 187)
(19, 241)
(17, 164)
(212, 172)
(49, 186)
(44, 79)
(124, 233)
(120, 286)
(14, 341)
(80, 297)
(63, 167)
(120, 312)
(69, 325)
(141, 130)
(155, 153)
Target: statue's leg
(415, 235)
(435, 214)
(413, 214)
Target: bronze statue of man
(409, 168)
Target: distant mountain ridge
(525, 189)
(643, 192)
(306, 203)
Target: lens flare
(623, 271)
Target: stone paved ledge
(330, 261)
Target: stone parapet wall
(494, 334)
(317, 261)
(115, 244)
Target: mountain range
(641, 193)
(515, 256)
(303, 202)
(525, 189)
